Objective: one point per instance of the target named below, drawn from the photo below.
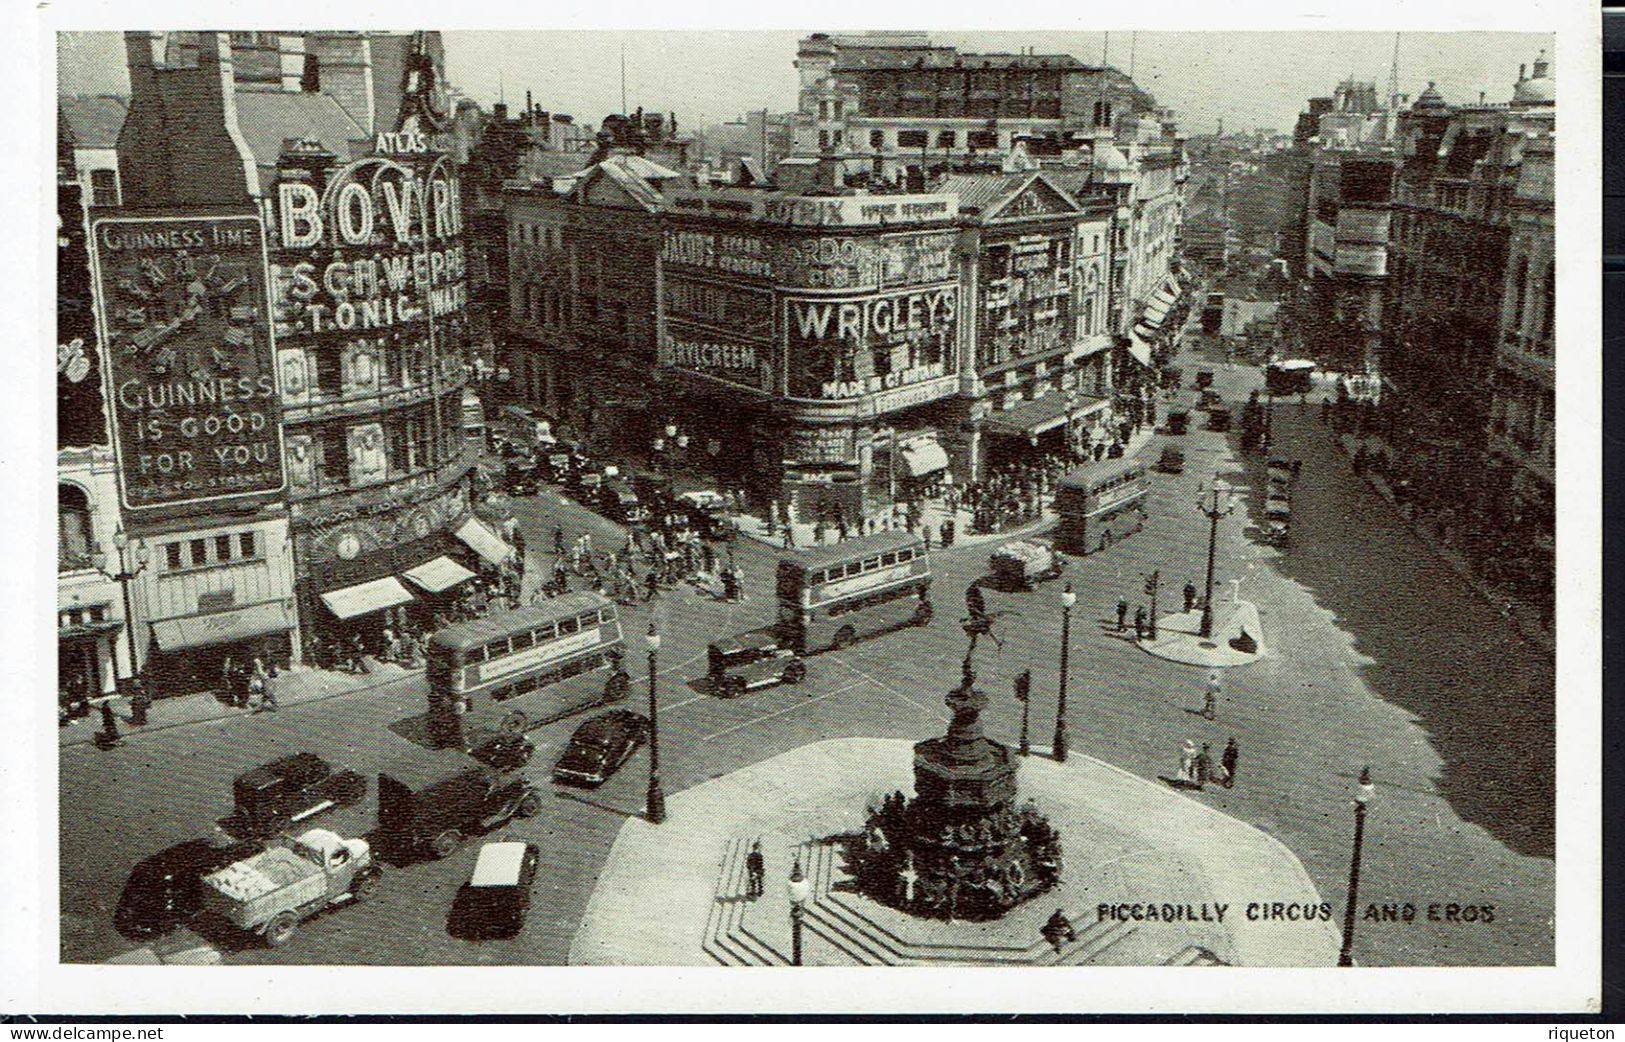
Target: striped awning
(484, 542)
(222, 627)
(924, 457)
(366, 598)
(1138, 347)
(438, 575)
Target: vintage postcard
(661, 501)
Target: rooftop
(94, 120)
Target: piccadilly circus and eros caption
(190, 357)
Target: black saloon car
(600, 746)
(272, 797)
(494, 901)
(751, 660)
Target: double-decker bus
(1099, 504)
(830, 596)
(526, 667)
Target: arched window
(74, 543)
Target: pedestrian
(140, 702)
(268, 684)
(925, 533)
(1058, 930)
(1190, 596)
(558, 542)
(256, 684)
(1227, 760)
(228, 679)
(789, 537)
(1122, 613)
(1209, 706)
(358, 656)
(1140, 617)
(840, 528)
(946, 532)
(1187, 762)
(755, 871)
(1204, 765)
(108, 736)
(1215, 685)
(818, 531)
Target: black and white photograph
(814, 497)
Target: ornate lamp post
(1361, 799)
(799, 890)
(1223, 505)
(656, 803)
(1068, 599)
(124, 577)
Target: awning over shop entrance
(1156, 310)
(439, 575)
(222, 627)
(1139, 348)
(484, 542)
(924, 457)
(365, 598)
(1040, 415)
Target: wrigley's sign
(840, 211)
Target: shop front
(191, 652)
(85, 655)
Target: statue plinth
(960, 848)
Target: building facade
(317, 167)
(902, 110)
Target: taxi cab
(750, 660)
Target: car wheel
(732, 687)
(795, 672)
(529, 804)
(446, 844)
(515, 721)
(616, 687)
(845, 636)
(280, 929)
(350, 789)
(365, 882)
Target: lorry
(1025, 563)
(427, 807)
(274, 891)
(274, 796)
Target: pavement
(656, 894)
(1179, 637)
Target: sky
(1249, 79)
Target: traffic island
(1237, 638)
(1152, 876)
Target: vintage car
(1279, 470)
(1204, 379)
(274, 891)
(1172, 460)
(272, 797)
(1277, 520)
(751, 660)
(1025, 563)
(619, 502)
(1178, 421)
(496, 898)
(1209, 399)
(600, 747)
(1218, 419)
(502, 749)
(166, 889)
(426, 806)
(707, 511)
(522, 476)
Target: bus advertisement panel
(1100, 504)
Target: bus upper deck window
(607, 613)
(568, 626)
(871, 563)
(888, 559)
(545, 631)
(905, 555)
(523, 640)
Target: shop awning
(484, 542)
(924, 457)
(366, 598)
(1039, 415)
(1139, 348)
(222, 627)
(1156, 310)
(439, 575)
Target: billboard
(189, 356)
(855, 347)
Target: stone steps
(842, 921)
(728, 940)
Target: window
(546, 631)
(568, 626)
(172, 557)
(524, 640)
(877, 139)
(74, 542)
(888, 559)
(835, 139)
(838, 106)
(332, 456)
(823, 139)
(911, 138)
(248, 545)
(231, 548)
(982, 139)
(947, 139)
(104, 188)
(823, 110)
(1519, 287)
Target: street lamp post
(1361, 799)
(1068, 599)
(124, 577)
(799, 890)
(1224, 503)
(656, 802)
